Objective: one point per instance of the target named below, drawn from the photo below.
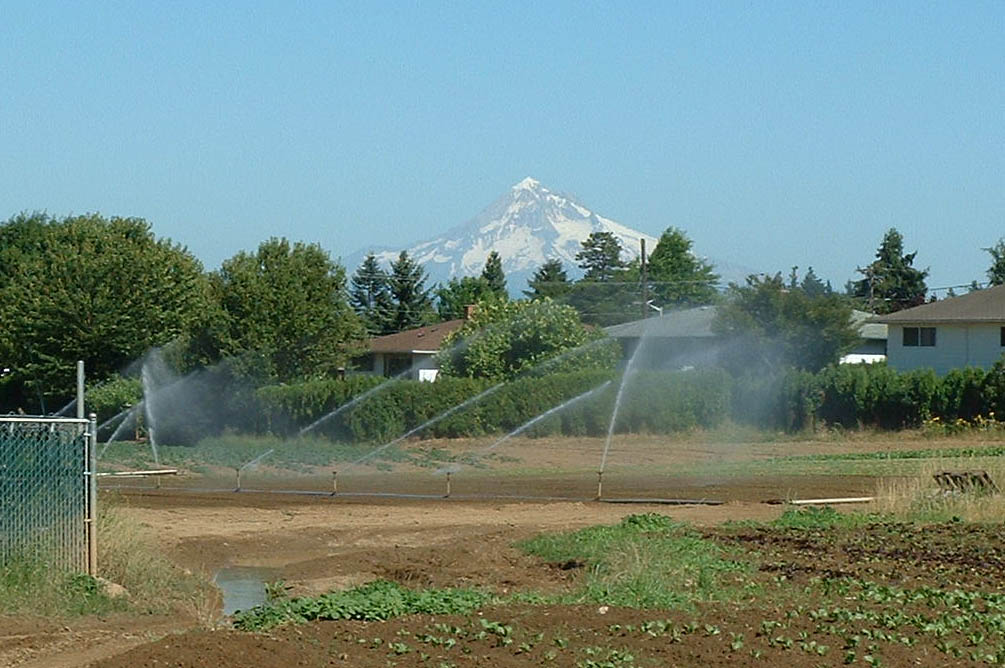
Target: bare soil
(318, 543)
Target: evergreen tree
(996, 272)
(494, 276)
(600, 257)
(550, 280)
(411, 306)
(677, 276)
(370, 295)
(813, 286)
(891, 283)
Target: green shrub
(375, 601)
(113, 396)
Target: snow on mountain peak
(527, 226)
(529, 183)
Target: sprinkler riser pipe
(600, 484)
(447, 495)
(334, 483)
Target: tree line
(107, 290)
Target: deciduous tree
(102, 290)
(453, 299)
(505, 338)
(770, 326)
(285, 313)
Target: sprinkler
(447, 495)
(600, 484)
(334, 483)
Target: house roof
(697, 323)
(421, 339)
(867, 327)
(685, 323)
(977, 306)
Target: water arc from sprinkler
(427, 423)
(551, 411)
(452, 350)
(352, 402)
(629, 370)
(251, 464)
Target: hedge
(658, 402)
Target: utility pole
(645, 280)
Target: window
(925, 336)
(1003, 337)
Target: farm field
(814, 588)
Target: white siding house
(968, 330)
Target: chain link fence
(46, 504)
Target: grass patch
(646, 561)
(375, 601)
(29, 586)
(918, 498)
(126, 556)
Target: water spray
(629, 369)
(427, 423)
(254, 461)
(551, 411)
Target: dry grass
(128, 555)
(919, 498)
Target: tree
(453, 299)
(370, 295)
(102, 290)
(411, 304)
(891, 283)
(507, 338)
(996, 272)
(769, 326)
(600, 257)
(813, 286)
(494, 276)
(285, 314)
(550, 280)
(676, 275)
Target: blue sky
(775, 134)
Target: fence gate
(46, 493)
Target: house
(675, 340)
(412, 351)
(872, 346)
(685, 338)
(968, 330)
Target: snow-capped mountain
(527, 226)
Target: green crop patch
(646, 561)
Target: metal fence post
(92, 496)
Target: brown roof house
(409, 353)
(968, 330)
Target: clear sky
(774, 133)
